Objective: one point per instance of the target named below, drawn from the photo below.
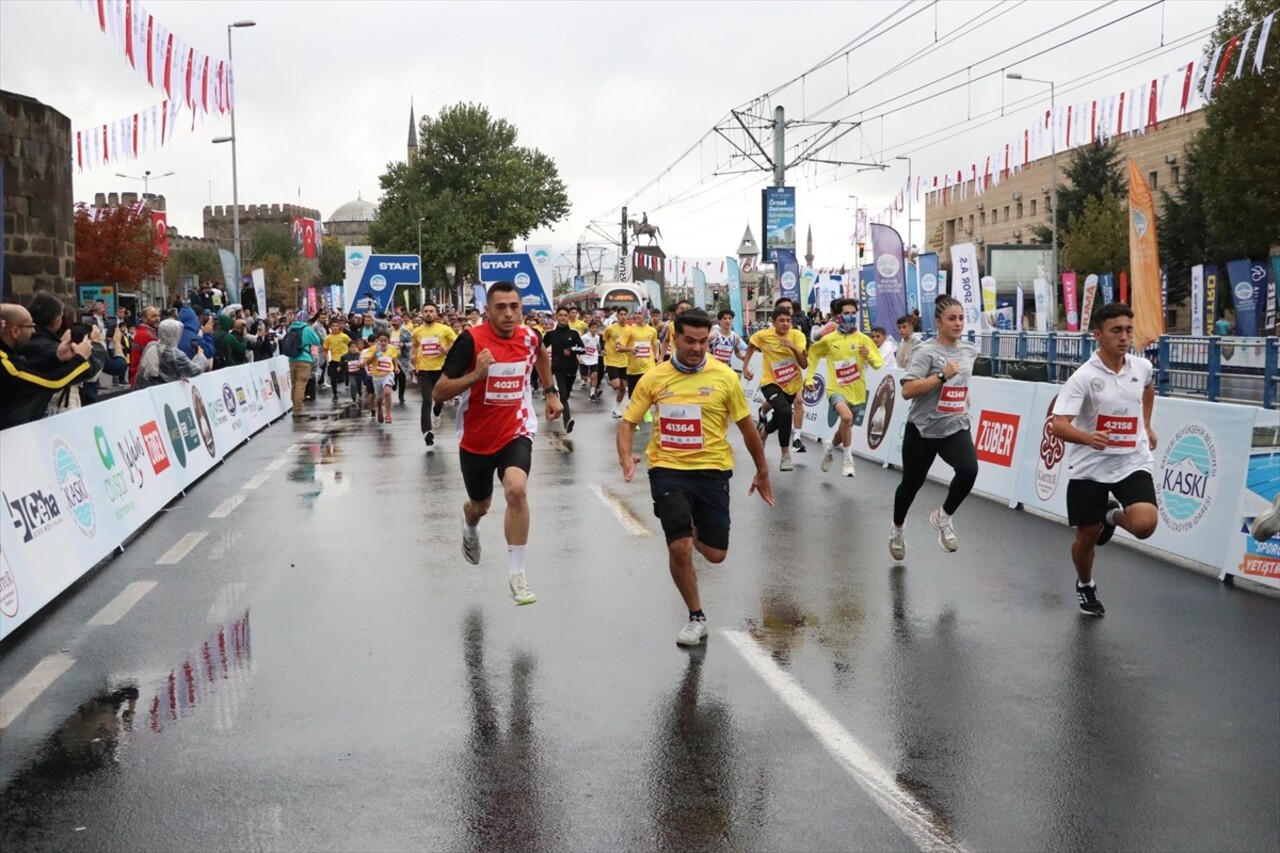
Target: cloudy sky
(615, 92)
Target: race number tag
(385, 364)
(431, 347)
(505, 383)
(847, 372)
(353, 366)
(785, 372)
(953, 400)
(589, 353)
(1121, 431)
(723, 350)
(680, 427)
(643, 350)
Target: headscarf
(168, 335)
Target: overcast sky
(615, 92)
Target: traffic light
(751, 293)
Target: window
(1176, 173)
(982, 218)
(1152, 179)
(970, 223)
(1019, 210)
(1006, 213)
(1033, 207)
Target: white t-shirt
(1095, 398)
(888, 349)
(590, 349)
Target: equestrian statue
(653, 232)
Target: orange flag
(1144, 263)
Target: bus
(605, 297)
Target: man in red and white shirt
(489, 367)
(1104, 412)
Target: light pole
(146, 179)
(1053, 181)
(908, 159)
(235, 189)
(422, 277)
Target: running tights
(780, 403)
(918, 454)
(564, 384)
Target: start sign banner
(528, 271)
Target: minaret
(413, 135)
(808, 248)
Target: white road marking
(625, 516)
(913, 817)
(224, 544)
(228, 595)
(175, 554)
(227, 507)
(277, 464)
(256, 482)
(122, 603)
(31, 686)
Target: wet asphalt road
(322, 671)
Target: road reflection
(218, 674)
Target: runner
(1104, 412)
(725, 342)
(690, 460)
(785, 355)
(589, 361)
(489, 366)
(848, 353)
(641, 347)
(937, 384)
(402, 338)
(669, 329)
(336, 344)
(431, 342)
(565, 345)
(800, 322)
(615, 359)
(381, 359)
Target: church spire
(413, 135)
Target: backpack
(291, 344)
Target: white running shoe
(520, 592)
(693, 633)
(828, 455)
(616, 413)
(785, 465)
(897, 545)
(946, 532)
(846, 469)
(471, 548)
(1267, 524)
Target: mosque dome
(357, 210)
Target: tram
(605, 297)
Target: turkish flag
(160, 223)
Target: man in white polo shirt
(1104, 412)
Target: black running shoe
(1089, 603)
(798, 446)
(437, 409)
(568, 428)
(430, 438)
(1108, 529)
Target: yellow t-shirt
(579, 326)
(645, 355)
(780, 365)
(694, 413)
(337, 344)
(380, 363)
(430, 344)
(846, 366)
(611, 338)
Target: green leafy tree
(273, 250)
(1092, 171)
(470, 185)
(1228, 204)
(1097, 240)
(332, 261)
(204, 264)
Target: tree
(1228, 204)
(1097, 240)
(333, 261)
(273, 250)
(272, 242)
(470, 185)
(204, 264)
(115, 245)
(1092, 172)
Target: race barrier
(76, 486)
(1217, 465)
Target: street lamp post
(422, 268)
(235, 188)
(1053, 167)
(908, 159)
(146, 179)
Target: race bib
(847, 372)
(680, 427)
(1121, 431)
(505, 383)
(953, 400)
(353, 366)
(643, 350)
(786, 372)
(431, 348)
(723, 350)
(385, 364)
(589, 353)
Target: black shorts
(1087, 500)
(584, 370)
(616, 373)
(478, 469)
(684, 500)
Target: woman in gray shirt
(937, 384)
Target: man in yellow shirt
(381, 360)
(669, 332)
(576, 322)
(641, 346)
(785, 354)
(431, 342)
(690, 460)
(848, 353)
(336, 344)
(615, 359)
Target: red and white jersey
(499, 408)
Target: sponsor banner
(891, 281)
(878, 434)
(90, 293)
(1197, 301)
(1000, 414)
(1041, 287)
(733, 284)
(259, 277)
(524, 270)
(1211, 279)
(808, 290)
(1069, 301)
(913, 289)
(1087, 301)
(819, 416)
(930, 288)
(866, 294)
(779, 214)
(230, 275)
(1019, 306)
(1240, 277)
(700, 290)
(988, 293)
(966, 287)
(74, 487)
(1107, 282)
(1265, 311)
(1269, 321)
(789, 276)
(379, 277)
(1246, 557)
(1144, 262)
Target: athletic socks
(515, 553)
(697, 615)
(469, 530)
(1084, 585)
(1114, 515)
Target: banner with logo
(965, 285)
(1070, 303)
(90, 293)
(77, 485)
(1272, 281)
(808, 296)
(733, 284)
(1086, 301)
(779, 217)
(1019, 307)
(1041, 288)
(1265, 307)
(1107, 282)
(930, 287)
(913, 289)
(988, 293)
(700, 289)
(1197, 301)
(522, 270)
(1240, 274)
(789, 276)
(230, 275)
(1144, 262)
(999, 410)
(1247, 557)
(891, 279)
(260, 289)
(866, 290)
(1210, 297)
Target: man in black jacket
(565, 345)
(26, 387)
